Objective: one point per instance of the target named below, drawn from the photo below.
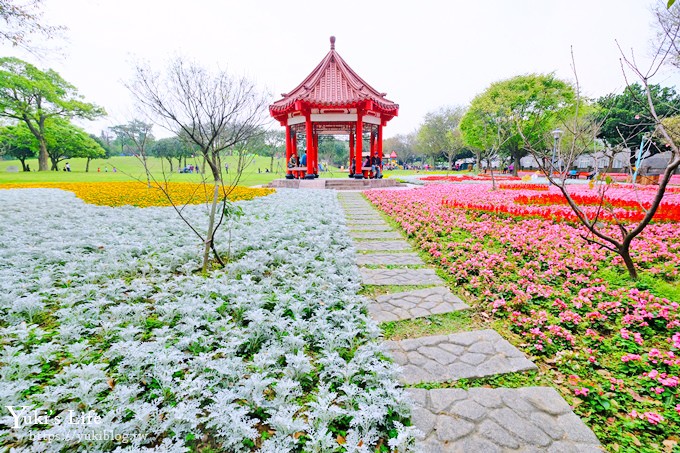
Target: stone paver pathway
(382, 246)
(498, 420)
(360, 227)
(380, 222)
(375, 235)
(399, 277)
(415, 304)
(389, 259)
(456, 356)
(531, 419)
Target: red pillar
(316, 153)
(289, 149)
(351, 152)
(360, 143)
(310, 146)
(294, 152)
(380, 144)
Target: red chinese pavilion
(333, 100)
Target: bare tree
(21, 21)
(214, 111)
(583, 133)
(139, 134)
(667, 39)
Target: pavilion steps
(333, 183)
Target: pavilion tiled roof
(333, 84)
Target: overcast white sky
(424, 54)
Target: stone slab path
(355, 223)
(375, 235)
(530, 419)
(399, 277)
(498, 420)
(360, 227)
(415, 304)
(382, 246)
(389, 259)
(442, 358)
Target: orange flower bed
(138, 194)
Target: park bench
(298, 172)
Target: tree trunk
(478, 164)
(87, 165)
(211, 224)
(148, 174)
(54, 164)
(271, 164)
(43, 157)
(624, 251)
(515, 164)
(493, 179)
(23, 164)
(179, 163)
(170, 161)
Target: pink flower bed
(564, 297)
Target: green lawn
(129, 168)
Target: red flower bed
(524, 186)
(620, 204)
(459, 178)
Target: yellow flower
(138, 194)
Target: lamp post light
(557, 133)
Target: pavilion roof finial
(332, 42)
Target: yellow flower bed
(138, 194)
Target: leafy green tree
(66, 141)
(170, 148)
(275, 142)
(104, 143)
(440, 135)
(333, 151)
(532, 103)
(626, 117)
(33, 96)
(18, 142)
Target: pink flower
(669, 382)
(676, 340)
(629, 357)
(582, 391)
(653, 418)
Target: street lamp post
(557, 133)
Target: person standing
(67, 167)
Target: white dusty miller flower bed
(114, 343)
